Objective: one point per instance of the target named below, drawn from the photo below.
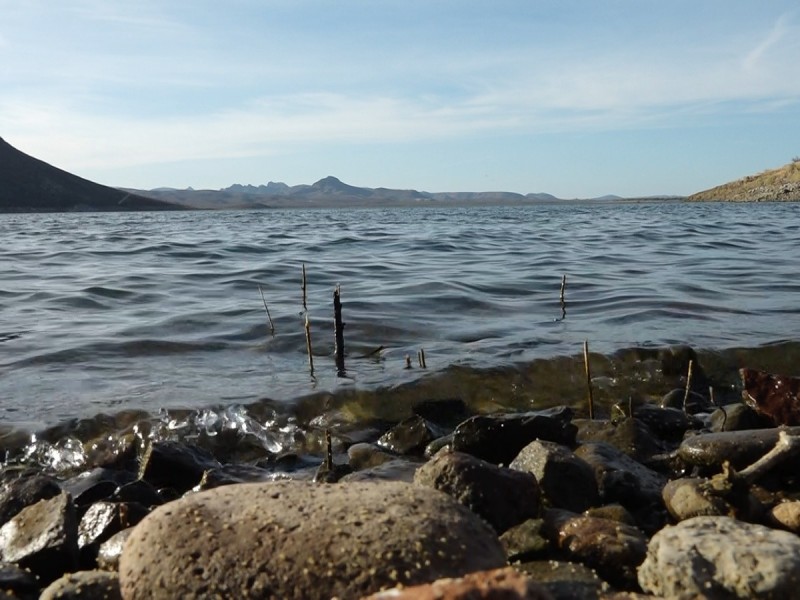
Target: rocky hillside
(781, 185)
(31, 185)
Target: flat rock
(689, 497)
(84, 585)
(43, 538)
(566, 481)
(720, 557)
(499, 438)
(502, 497)
(565, 580)
(410, 436)
(293, 539)
(631, 436)
(499, 584)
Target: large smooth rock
(43, 538)
(740, 448)
(720, 557)
(503, 497)
(175, 465)
(499, 438)
(566, 481)
(295, 539)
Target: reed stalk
(304, 287)
(688, 384)
(328, 451)
(308, 345)
(338, 330)
(588, 378)
(266, 308)
(563, 301)
(421, 359)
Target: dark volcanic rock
(23, 491)
(43, 537)
(503, 497)
(175, 465)
(294, 539)
(410, 436)
(16, 582)
(565, 480)
(667, 423)
(736, 417)
(499, 438)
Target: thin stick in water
(328, 451)
(304, 286)
(408, 361)
(588, 378)
(563, 302)
(271, 324)
(421, 358)
(338, 330)
(688, 384)
(308, 346)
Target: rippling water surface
(106, 313)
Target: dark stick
(338, 330)
(328, 451)
(304, 287)
(271, 324)
(408, 361)
(588, 378)
(308, 346)
(563, 302)
(421, 358)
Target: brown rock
(786, 515)
(499, 584)
(84, 585)
(294, 539)
(774, 396)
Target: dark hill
(28, 184)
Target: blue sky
(577, 98)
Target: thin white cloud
(778, 32)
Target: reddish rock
(774, 396)
(499, 584)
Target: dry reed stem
(338, 331)
(563, 301)
(688, 384)
(304, 287)
(308, 345)
(266, 308)
(588, 378)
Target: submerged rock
(43, 538)
(720, 557)
(503, 497)
(566, 481)
(410, 436)
(300, 540)
(499, 438)
(631, 436)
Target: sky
(577, 98)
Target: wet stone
(720, 557)
(101, 521)
(23, 491)
(43, 538)
(294, 539)
(410, 436)
(84, 585)
(612, 512)
(736, 417)
(445, 413)
(499, 438)
(630, 436)
(613, 549)
(137, 491)
(394, 470)
(176, 465)
(696, 403)
(364, 455)
(96, 485)
(502, 497)
(230, 474)
(439, 444)
(16, 582)
(565, 480)
(667, 423)
(740, 448)
(109, 551)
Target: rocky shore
(676, 499)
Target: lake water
(152, 313)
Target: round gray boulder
(720, 557)
(294, 539)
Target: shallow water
(105, 313)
